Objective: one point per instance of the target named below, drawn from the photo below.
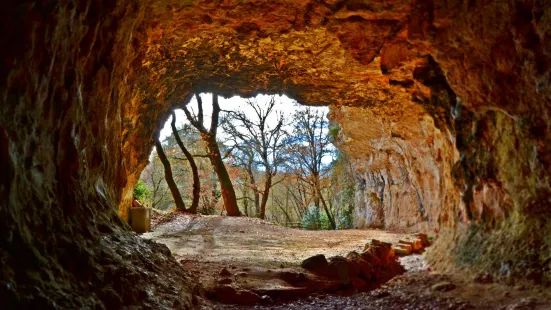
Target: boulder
(383, 252)
(338, 269)
(315, 263)
(366, 269)
(401, 251)
(372, 259)
(416, 245)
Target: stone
(380, 293)
(416, 245)
(423, 238)
(402, 251)
(443, 286)
(316, 262)
(224, 272)
(383, 252)
(338, 269)
(366, 269)
(372, 259)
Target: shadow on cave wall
(83, 83)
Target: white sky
(286, 104)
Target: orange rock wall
(453, 92)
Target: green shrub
(334, 131)
(346, 210)
(141, 192)
(315, 219)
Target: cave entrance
(279, 158)
(294, 191)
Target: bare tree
(209, 136)
(191, 161)
(153, 176)
(243, 156)
(261, 143)
(310, 145)
(178, 201)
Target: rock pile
(364, 271)
(375, 265)
(414, 244)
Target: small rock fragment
(224, 272)
(443, 287)
(380, 294)
(266, 299)
(423, 238)
(416, 245)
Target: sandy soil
(207, 244)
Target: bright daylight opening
(277, 153)
(243, 191)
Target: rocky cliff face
(444, 108)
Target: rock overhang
(85, 72)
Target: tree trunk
(255, 191)
(226, 187)
(189, 157)
(246, 201)
(329, 216)
(209, 136)
(265, 195)
(169, 179)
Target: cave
(444, 106)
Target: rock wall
(427, 94)
(402, 167)
(66, 75)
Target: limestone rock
(443, 109)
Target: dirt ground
(250, 241)
(208, 244)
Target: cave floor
(206, 245)
(243, 241)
